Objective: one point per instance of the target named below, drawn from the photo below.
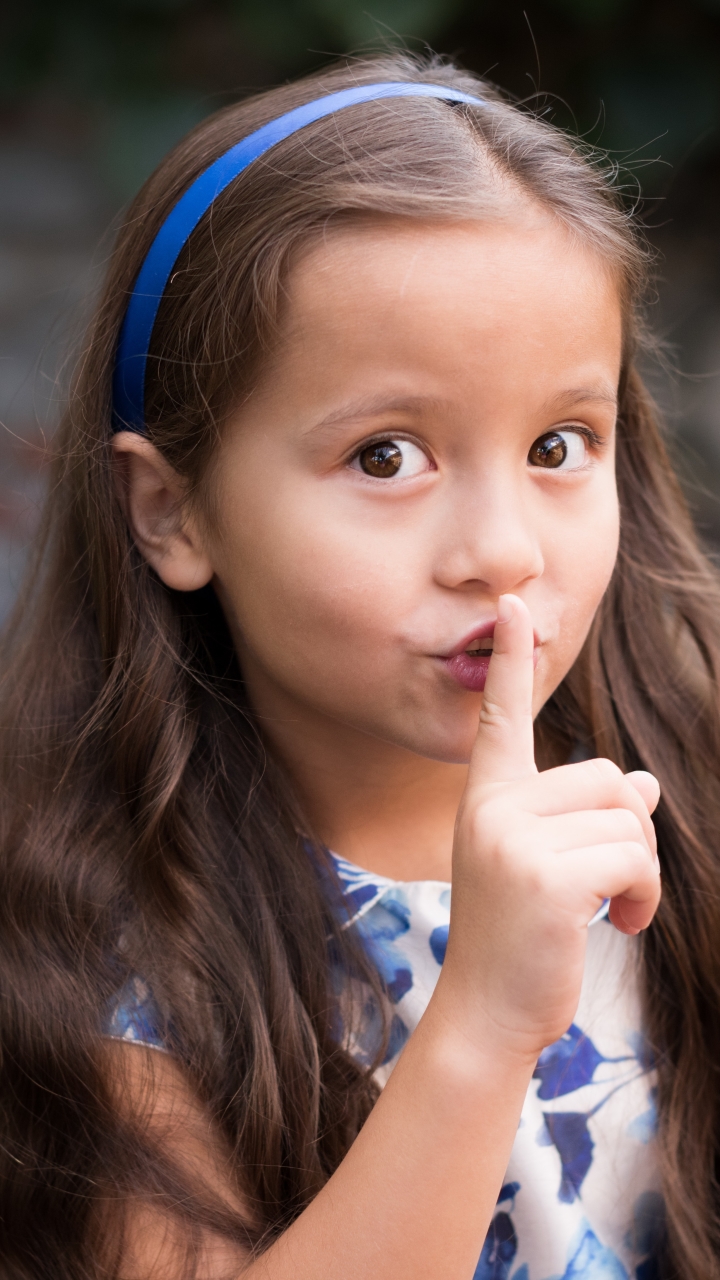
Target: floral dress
(580, 1199)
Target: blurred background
(93, 92)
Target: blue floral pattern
(580, 1199)
(135, 1016)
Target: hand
(536, 855)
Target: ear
(154, 499)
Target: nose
(489, 539)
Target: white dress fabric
(580, 1199)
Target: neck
(374, 803)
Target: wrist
(462, 1083)
(469, 1031)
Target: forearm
(415, 1195)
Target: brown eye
(382, 460)
(386, 459)
(549, 450)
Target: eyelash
(591, 436)
(389, 437)
(385, 437)
(595, 441)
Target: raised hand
(536, 854)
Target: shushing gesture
(536, 855)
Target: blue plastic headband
(136, 332)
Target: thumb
(504, 748)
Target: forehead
(469, 314)
(524, 284)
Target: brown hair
(145, 829)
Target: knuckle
(612, 786)
(496, 839)
(636, 851)
(631, 826)
(475, 822)
(480, 823)
(514, 846)
(493, 715)
(607, 770)
(536, 883)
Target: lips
(469, 662)
(470, 670)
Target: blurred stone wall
(92, 96)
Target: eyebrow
(580, 395)
(371, 407)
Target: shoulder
(134, 1015)
(155, 1099)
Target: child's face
(351, 573)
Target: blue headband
(136, 332)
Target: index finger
(505, 748)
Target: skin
(469, 342)
(340, 587)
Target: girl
(356, 479)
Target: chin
(447, 744)
(452, 753)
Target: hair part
(145, 826)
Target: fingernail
(631, 929)
(505, 609)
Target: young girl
(357, 478)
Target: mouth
(482, 647)
(469, 662)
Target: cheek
(311, 593)
(580, 573)
(591, 558)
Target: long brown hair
(145, 827)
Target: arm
(535, 855)
(152, 1097)
(428, 1163)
